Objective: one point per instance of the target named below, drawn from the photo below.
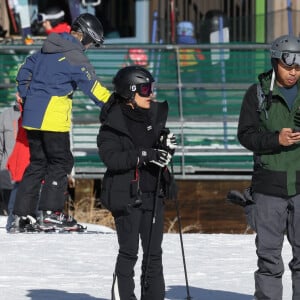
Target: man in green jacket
(268, 126)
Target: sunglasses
(290, 59)
(145, 89)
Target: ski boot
(60, 222)
(23, 224)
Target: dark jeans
(50, 162)
(10, 207)
(129, 229)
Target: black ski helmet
(53, 14)
(133, 79)
(91, 28)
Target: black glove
(238, 198)
(156, 156)
(168, 141)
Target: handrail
(241, 46)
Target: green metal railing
(204, 100)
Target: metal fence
(203, 84)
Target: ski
(78, 228)
(53, 230)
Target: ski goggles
(143, 89)
(43, 17)
(289, 59)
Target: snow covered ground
(80, 266)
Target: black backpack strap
(261, 97)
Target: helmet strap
(272, 81)
(269, 98)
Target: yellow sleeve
(100, 92)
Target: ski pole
(144, 279)
(188, 297)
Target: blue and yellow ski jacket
(47, 79)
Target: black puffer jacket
(119, 154)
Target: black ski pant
(129, 229)
(272, 217)
(4, 198)
(50, 162)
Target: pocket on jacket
(104, 196)
(115, 196)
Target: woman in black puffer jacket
(129, 142)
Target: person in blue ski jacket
(46, 83)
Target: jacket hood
(57, 43)
(106, 108)
(265, 80)
(111, 115)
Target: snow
(80, 266)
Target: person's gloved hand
(156, 156)
(168, 141)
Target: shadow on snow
(46, 294)
(176, 292)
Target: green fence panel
(204, 100)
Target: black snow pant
(271, 217)
(4, 198)
(129, 229)
(51, 161)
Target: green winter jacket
(276, 168)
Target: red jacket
(60, 28)
(20, 156)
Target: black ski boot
(23, 224)
(59, 221)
